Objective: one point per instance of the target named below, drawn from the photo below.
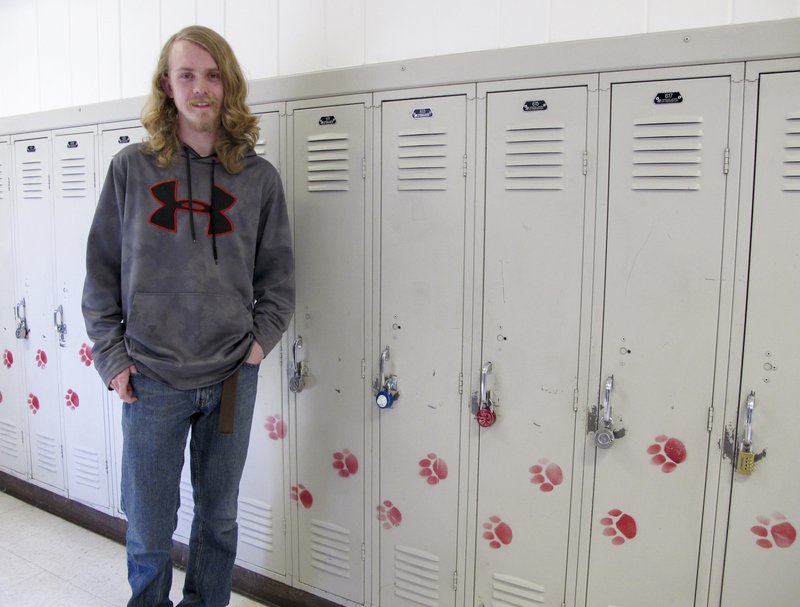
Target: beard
(204, 122)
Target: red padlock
(486, 417)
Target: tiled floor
(46, 561)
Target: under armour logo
(166, 216)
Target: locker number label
(535, 106)
(668, 98)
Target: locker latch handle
(60, 325)
(385, 387)
(299, 367)
(746, 458)
(487, 400)
(22, 322)
(605, 433)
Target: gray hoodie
(181, 289)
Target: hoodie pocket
(184, 327)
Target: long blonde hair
(238, 131)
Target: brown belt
(228, 405)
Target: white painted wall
(63, 53)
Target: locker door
(423, 208)
(666, 205)
(81, 391)
(12, 410)
(762, 558)
(329, 224)
(34, 230)
(112, 140)
(262, 540)
(535, 198)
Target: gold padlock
(746, 461)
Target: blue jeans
(155, 429)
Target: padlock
(297, 383)
(486, 417)
(603, 438)
(384, 399)
(745, 461)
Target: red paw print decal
(1, 398)
(433, 468)
(782, 532)
(72, 399)
(276, 427)
(547, 475)
(41, 358)
(345, 462)
(389, 515)
(497, 533)
(85, 354)
(667, 452)
(33, 403)
(302, 495)
(618, 526)
(8, 359)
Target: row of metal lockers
(542, 352)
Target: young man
(190, 281)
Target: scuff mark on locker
(638, 254)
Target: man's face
(195, 84)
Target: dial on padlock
(386, 387)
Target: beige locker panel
(113, 138)
(13, 457)
(84, 415)
(666, 206)
(535, 199)
(329, 228)
(262, 493)
(34, 231)
(423, 207)
(762, 559)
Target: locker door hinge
(464, 165)
(575, 399)
(585, 162)
(726, 163)
(460, 384)
(363, 552)
(455, 580)
(710, 418)
(363, 369)
(363, 168)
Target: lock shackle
(487, 368)
(382, 366)
(607, 400)
(297, 346)
(748, 419)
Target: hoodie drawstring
(212, 228)
(191, 205)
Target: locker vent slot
(330, 548)
(3, 181)
(261, 147)
(535, 157)
(422, 161)
(791, 160)
(509, 591)
(48, 453)
(328, 162)
(9, 439)
(87, 467)
(73, 177)
(416, 576)
(255, 524)
(667, 154)
(33, 180)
